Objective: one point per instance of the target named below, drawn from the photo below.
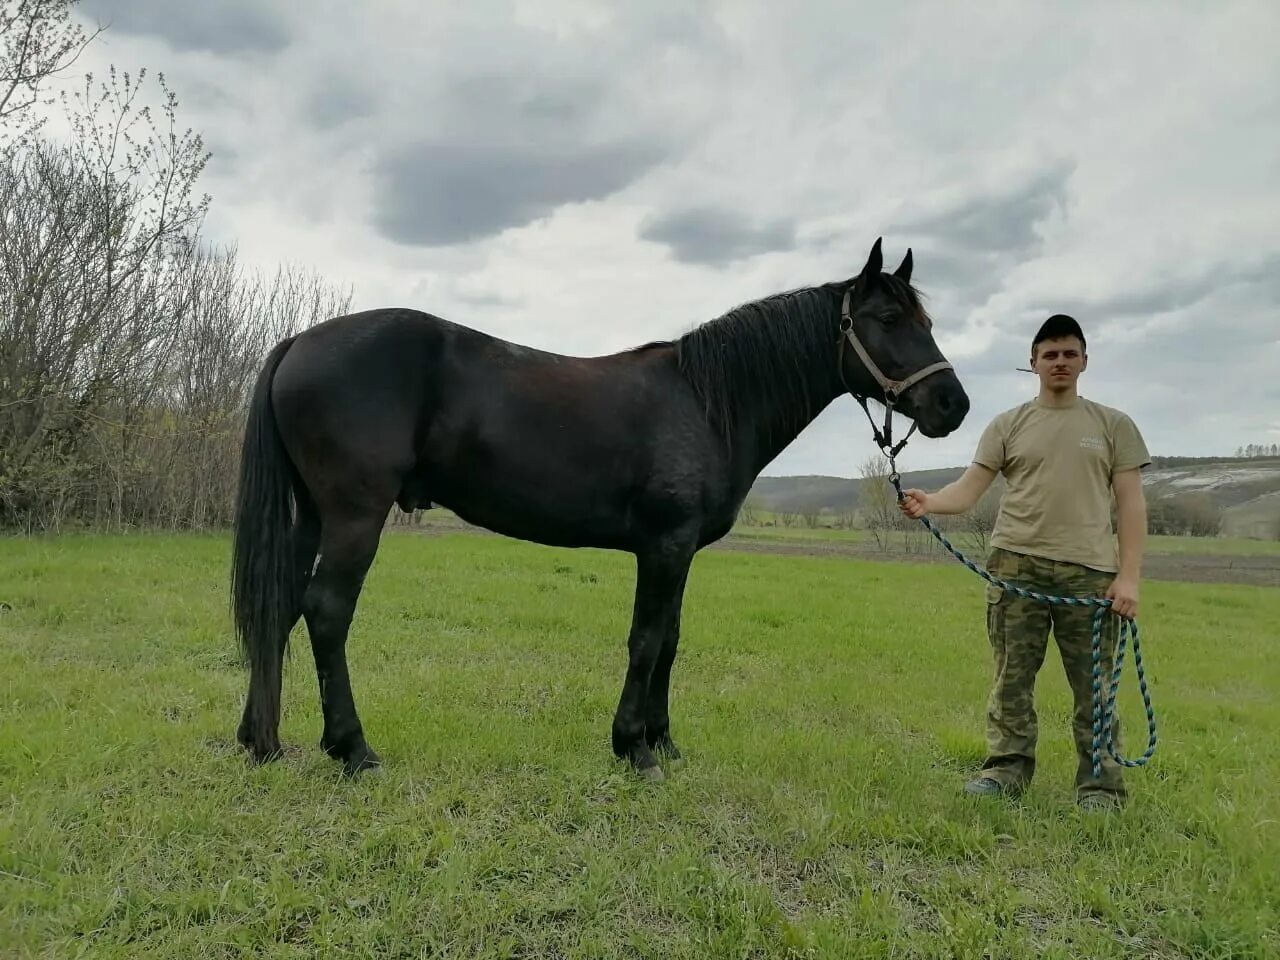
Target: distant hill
(1246, 491)
(819, 494)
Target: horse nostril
(952, 404)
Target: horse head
(887, 350)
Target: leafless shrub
(127, 348)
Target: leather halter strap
(893, 389)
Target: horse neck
(771, 431)
(778, 369)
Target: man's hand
(956, 497)
(914, 503)
(1123, 594)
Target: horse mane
(761, 355)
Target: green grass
(829, 709)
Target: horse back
(605, 451)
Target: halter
(893, 389)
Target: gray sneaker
(1099, 803)
(985, 787)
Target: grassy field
(829, 709)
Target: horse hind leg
(347, 548)
(305, 536)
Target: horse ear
(904, 269)
(875, 263)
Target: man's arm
(1131, 530)
(955, 497)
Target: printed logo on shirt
(1092, 443)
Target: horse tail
(264, 582)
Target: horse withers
(651, 451)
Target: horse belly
(537, 490)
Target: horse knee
(327, 610)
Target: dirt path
(1194, 567)
(1261, 571)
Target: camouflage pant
(1019, 630)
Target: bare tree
(878, 501)
(980, 521)
(127, 350)
(1189, 515)
(185, 442)
(749, 514)
(233, 322)
(93, 235)
(39, 39)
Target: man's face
(1059, 363)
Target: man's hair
(1055, 328)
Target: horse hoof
(260, 755)
(653, 774)
(364, 763)
(669, 754)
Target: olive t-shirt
(1058, 464)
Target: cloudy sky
(585, 176)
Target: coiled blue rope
(1104, 715)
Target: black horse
(650, 451)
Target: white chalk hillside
(1244, 492)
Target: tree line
(128, 345)
(1249, 451)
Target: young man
(1062, 457)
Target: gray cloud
(506, 151)
(965, 249)
(335, 99)
(715, 237)
(1002, 223)
(1148, 295)
(1230, 325)
(444, 193)
(224, 26)
(223, 160)
(1004, 355)
(960, 278)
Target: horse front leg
(657, 721)
(660, 579)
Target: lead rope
(1104, 715)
